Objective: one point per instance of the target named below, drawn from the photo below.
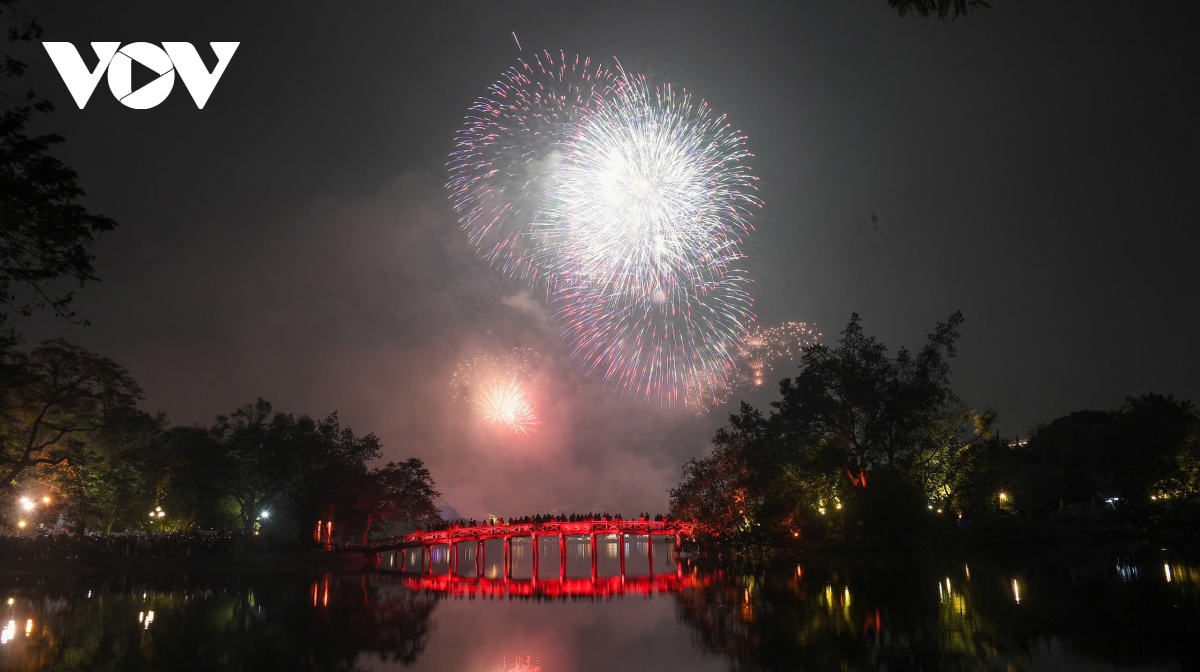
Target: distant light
(21, 524)
(795, 534)
(1016, 591)
(28, 627)
(161, 513)
(10, 601)
(26, 503)
(931, 507)
(838, 505)
(1004, 496)
(1167, 571)
(266, 514)
(1153, 496)
(939, 510)
(46, 500)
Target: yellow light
(795, 534)
(21, 524)
(10, 601)
(1004, 496)
(161, 514)
(28, 627)
(838, 505)
(1167, 571)
(939, 510)
(1153, 496)
(45, 500)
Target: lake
(1067, 608)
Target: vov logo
(172, 57)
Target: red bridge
(460, 552)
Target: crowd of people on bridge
(461, 523)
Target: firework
(504, 402)
(505, 158)
(496, 386)
(628, 203)
(518, 362)
(642, 236)
(765, 350)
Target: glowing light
(1003, 496)
(28, 627)
(21, 524)
(266, 514)
(1016, 591)
(26, 503)
(45, 500)
(11, 601)
(503, 402)
(9, 631)
(1167, 571)
(149, 619)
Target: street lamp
(27, 503)
(1004, 496)
(266, 514)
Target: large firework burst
(506, 155)
(643, 237)
(628, 203)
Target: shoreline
(322, 561)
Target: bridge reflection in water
(587, 558)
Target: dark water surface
(1076, 608)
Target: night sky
(1034, 165)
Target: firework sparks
(504, 402)
(496, 386)
(766, 349)
(628, 203)
(505, 157)
(643, 237)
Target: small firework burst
(503, 402)
(497, 387)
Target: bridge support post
(507, 558)
(593, 540)
(650, 551)
(562, 555)
(534, 539)
(621, 552)
(479, 548)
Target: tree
(940, 8)
(396, 492)
(875, 411)
(45, 235)
(60, 395)
(258, 446)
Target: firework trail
(496, 388)
(628, 203)
(505, 156)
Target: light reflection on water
(1068, 609)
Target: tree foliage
(939, 8)
(46, 235)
